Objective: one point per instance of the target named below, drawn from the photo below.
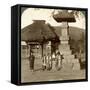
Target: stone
(67, 52)
(69, 61)
(76, 66)
(53, 65)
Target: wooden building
(40, 38)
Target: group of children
(49, 61)
(53, 61)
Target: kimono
(58, 61)
(31, 61)
(44, 63)
(47, 62)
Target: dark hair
(58, 53)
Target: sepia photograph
(53, 44)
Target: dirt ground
(52, 75)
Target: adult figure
(44, 62)
(80, 57)
(47, 62)
(53, 61)
(31, 61)
(59, 61)
(50, 61)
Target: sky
(31, 14)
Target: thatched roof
(38, 31)
(75, 33)
(64, 16)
